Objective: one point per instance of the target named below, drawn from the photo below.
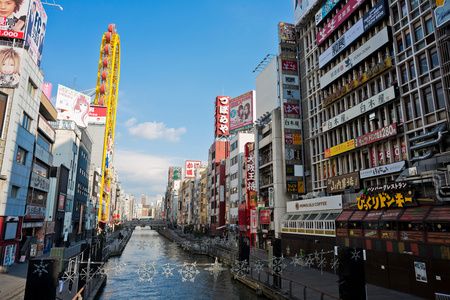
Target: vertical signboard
(189, 167)
(222, 116)
(250, 176)
(37, 22)
(242, 111)
(47, 89)
(253, 220)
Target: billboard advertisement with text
(37, 22)
(242, 110)
(72, 105)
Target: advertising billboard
(222, 116)
(338, 19)
(357, 56)
(361, 108)
(371, 18)
(286, 33)
(324, 10)
(10, 59)
(97, 114)
(289, 65)
(47, 89)
(189, 168)
(13, 18)
(242, 110)
(72, 105)
(442, 12)
(382, 170)
(36, 24)
(301, 7)
(250, 174)
(290, 108)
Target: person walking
(61, 281)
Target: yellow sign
(341, 148)
(297, 139)
(382, 200)
(357, 81)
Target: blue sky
(176, 57)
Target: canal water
(153, 267)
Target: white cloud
(154, 130)
(141, 173)
(130, 122)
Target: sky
(176, 57)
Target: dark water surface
(149, 268)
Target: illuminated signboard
(222, 116)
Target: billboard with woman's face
(10, 59)
(242, 110)
(72, 105)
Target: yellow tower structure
(106, 95)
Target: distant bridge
(151, 223)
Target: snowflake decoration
(216, 240)
(288, 250)
(117, 268)
(309, 261)
(223, 241)
(167, 271)
(101, 272)
(146, 272)
(334, 263)
(189, 271)
(215, 269)
(41, 268)
(247, 241)
(296, 260)
(151, 244)
(71, 274)
(278, 264)
(322, 262)
(205, 244)
(356, 254)
(316, 256)
(86, 274)
(141, 245)
(186, 245)
(240, 268)
(259, 266)
(196, 246)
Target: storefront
(310, 221)
(33, 231)
(10, 228)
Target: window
(429, 26)
(412, 69)
(434, 58)
(408, 39)
(40, 168)
(439, 95)
(414, 4)
(404, 74)
(428, 100)
(399, 43)
(404, 12)
(417, 104)
(395, 13)
(423, 64)
(21, 157)
(31, 88)
(418, 31)
(14, 191)
(26, 121)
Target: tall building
(144, 199)
(375, 118)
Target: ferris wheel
(106, 95)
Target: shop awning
(391, 214)
(373, 215)
(415, 214)
(345, 215)
(439, 214)
(358, 215)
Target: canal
(153, 267)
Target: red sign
(289, 138)
(61, 202)
(290, 108)
(289, 65)
(189, 167)
(242, 217)
(376, 135)
(97, 114)
(251, 168)
(222, 115)
(264, 216)
(337, 20)
(11, 34)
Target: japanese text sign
(339, 183)
(290, 108)
(222, 116)
(264, 216)
(383, 200)
(289, 65)
(189, 167)
(251, 174)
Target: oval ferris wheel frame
(106, 95)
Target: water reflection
(152, 267)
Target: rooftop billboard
(37, 22)
(242, 111)
(72, 105)
(13, 18)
